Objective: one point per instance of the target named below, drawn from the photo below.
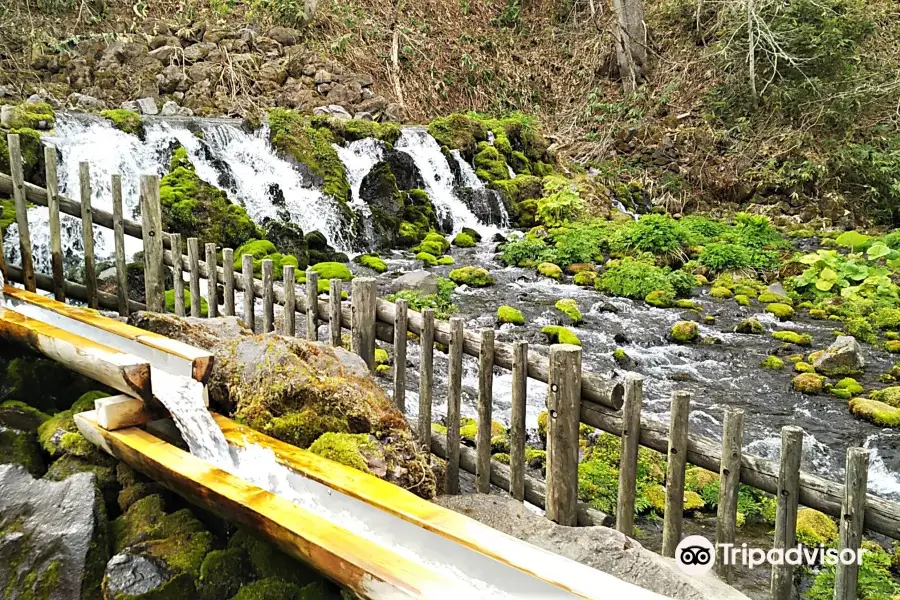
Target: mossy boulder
(445, 261)
(888, 395)
(808, 383)
(792, 337)
(849, 384)
(878, 413)
(556, 334)
(32, 154)
(170, 303)
(147, 520)
(472, 276)
(684, 332)
(459, 132)
(41, 383)
(550, 270)
(723, 293)
(37, 115)
(371, 261)
(783, 311)
(101, 466)
(772, 362)
(464, 240)
(804, 367)
(750, 326)
(656, 496)
(585, 278)
(332, 270)
(275, 588)
(223, 573)
(21, 448)
(125, 120)
(428, 259)
(21, 416)
(268, 561)
(769, 298)
(508, 314)
(742, 300)
(660, 298)
(569, 307)
(815, 528)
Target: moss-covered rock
(371, 261)
(146, 520)
(125, 120)
(354, 450)
(32, 154)
(804, 367)
(273, 588)
(37, 115)
(660, 298)
(21, 416)
(170, 303)
(223, 573)
(428, 259)
(41, 383)
(792, 337)
(332, 270)
(808, 383)
(879, 413)
(772, 362)
(742, 300)
(472, 276)
(268, 561)
(352, 130)
(769, 298)
(783, 311)
(21, 448)
(103, 468)
(490, 164)
(849, 384)
(569, 307)
(815, 528)
(508, 314)
(303, 427)
(684, 332)
(888, 395)
(550, 270)
(723, 293)
(557, 334)
(459, 132)
(656, 496)
(464, 240)
(585, 278)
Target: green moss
(560, 335)
(585, 278)
(851, 385)
(183, 553)
(656, 496)
(817, 313)
(742, 300)
(782, 311)
(32, 154)
(50, 433)
(353, 450)
(195, 208)
(304, 427)
(439, 429)
(808, 383)
(170, 303)
(722, 293)
(446, 261)
(464, 240)
(550, 270)
(7, 213)
(704, 483)
(569, 307)
(146, 520)
(687, 304)
(372, 262)
(30, 116)
(268, 561)
(381, 356)
(21, 416)
(660, 298)
(21, 447)
(892, 346)
(427, 258)
(125, 120)
(432, 247)
(501, 457)
(684, 332)
(351, 130)
(490, 165)
(223, 573)
(508, 314)
(792, 337)
(459, 132)
(815, 528)
(332, 270)
(272, 588)
(888, 395)
(472, 276)
(769, 298)
(804, 367)
(772, 362)
(878, 413)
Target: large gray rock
(332, 110)
(147, 106)
(843, 357)
(53, 540)
(423, 282)
(602, 548)
(132, 575)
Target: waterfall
(438, 177)
(489, 205)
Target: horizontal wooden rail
(74, 290)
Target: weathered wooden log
(485, 409)
(154, 270)
(676, 464)
(56, 257)
(193, 245)
(290, 301)
(856, 477)
(787, 501)
(517, 432)
(729, 483)
(212, 291)
(18, 192)
(178, 268)
(400, 356)
(563, 406)
(630, 442)
(228, 274)
(119, 234)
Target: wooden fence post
(853, 509)
(18, 177)
(151, 212)
(787, 500)
(729, 482)
(56, 258)
(485, 411)
(312, 309)
(517, 433)
(194, 265)
(268, 267)
(564, 415)
(677, 462)
(400, 331)
(87, 230)
(362, 319)
(249, 297)
(631, 434)
(178, 262)
(426, 377)
(228, 288)
(454, 394)
(335, 291)
(212, 281)
(289, 280)
(119, 234)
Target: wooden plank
(87, 231)
(362, 319)
(193, 246)
(787, 500)
(56, 256)
(517, 432)
(630, 442)
(729, 483)
(454, 398)
(268, 267)
(178, 266)
(154, 272)
(426, 376)
(677, 463)
(563, 400)
(312, 300)
(335, 291)
(18, 189)
(485, 410)
(367, 569)
(212, 291)
(856, 479)
(400, 336)
(228, 284)
(289, 279)
(249, 295)
(119, 412)
(119, 235)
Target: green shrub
(632, 278)
(521, 251)
(579, 243)
(720, 257)
(653, 233)
(441, 302)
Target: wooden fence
(574, 395)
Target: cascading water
(489, 199)
(359, 158)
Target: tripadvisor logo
(696, 555)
